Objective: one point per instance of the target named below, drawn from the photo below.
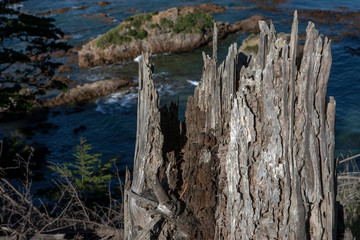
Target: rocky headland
(174, 30)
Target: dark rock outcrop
(78, 129)
(248, 25)
(60, 10)
(86, 92)
(64, 68)
(104, 16)
(103, 3)
(58, 82)
(211, 8)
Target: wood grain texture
(257, 160)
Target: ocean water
(110, 122)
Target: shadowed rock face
(87, 92)
(171, 31)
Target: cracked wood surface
(256, 159)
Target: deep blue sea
(111, 121)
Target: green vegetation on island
(143, 25)
(133, 29)
(195, 22)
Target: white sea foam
(16, 6)
(161, 54)
(113, 98)
(78, 36)
(95, 77)
(116, 101)
(195, 83)
(128, 99)
(160, 75)
(165, 89)
(137, 59)
(100, 108)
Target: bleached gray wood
(147, 201)
(260, 140)
(215, 40)
(281, 185)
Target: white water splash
(138, 58)
(195, 83)
(165, 89)
(116, 101)
(78, 36)
(163, 75)
(16, 6)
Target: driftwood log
(255, 156)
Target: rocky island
(175, 30)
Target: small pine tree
(86, 173)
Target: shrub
(112, 37)
(154, 25)
(138, 20)
(166, 23)
(195, 22)
(87, 173)
(132, 32)
(141, 34)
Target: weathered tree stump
(257, 159)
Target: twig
(12, 201)
(22, 197)
(349, 158)
(75, 193)
(348, 177)
(56, 219)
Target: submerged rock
(103, 3)
(108, 19)
(60, 10)
(78, 129)
(174, 30)
(57, 82)
(87, 92)
(211, 8)
(132, 10)
(64, 68)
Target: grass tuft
(196, 22)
